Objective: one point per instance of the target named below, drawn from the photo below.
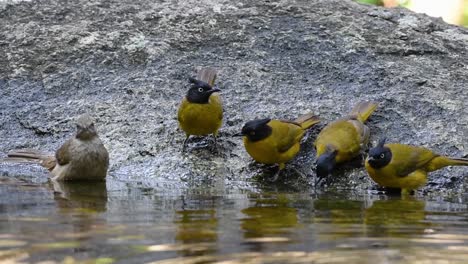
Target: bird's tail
(363, 110)
(207, 75)
(31, 156)
(442, 161)
(307, 120)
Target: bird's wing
(362, 130)
(182, 109)
(288, 134)
(216, 100)
(63, 154)
(341, 135)
(407, 159)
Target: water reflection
(338, 218)
(79, 204)
(270, 219)
(197, 223)
(55, 222)
(88, 197)
(64, 224)
(396, 217)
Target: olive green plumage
(201, 110)
(343, 139)
(404, 166)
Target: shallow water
(114, 223)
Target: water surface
(116, 222)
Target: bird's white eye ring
(200, 89)
(382, 155)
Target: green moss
(371, 2)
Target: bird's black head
(256, 130)
(380, 155)
(326, 163)
(200, 92)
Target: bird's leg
(303, 176)
(276, 176)
(319, 180)
(406, 192)
(394, 191)
(185, 143)
(215, 148)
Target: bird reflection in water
(196, 224)
(374, 218)
(269, 219)
(337, 218)
(396, 217)
(80, 204)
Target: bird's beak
(215, 90)
(369, 158)
(238, 134)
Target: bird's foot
(184, 145)
(322, 181)
(214, 147)
(300, 173)
(275, 176)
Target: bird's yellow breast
(279, 147)
(388, 177)
(265, 151)
(201, 119)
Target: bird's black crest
(257, 123)
(256, 130)
(379, 156)
(382, 142)
(197, 83)
(200, 92)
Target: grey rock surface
(127, 63)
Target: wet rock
(127, 63)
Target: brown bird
(82, 157)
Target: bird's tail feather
(442, 161)
(308, 120)
(28, 153)
(46, 160)
(207, 75)
(363, 110)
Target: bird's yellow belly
(388, 178)
(264, 152)
(200, 119)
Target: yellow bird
(201, 111)
(343, 139)
(404, 166)
(275, 141)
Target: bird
(201, 110)
(343, 140)
(405, 166)
(82, 157)
(275, 141)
